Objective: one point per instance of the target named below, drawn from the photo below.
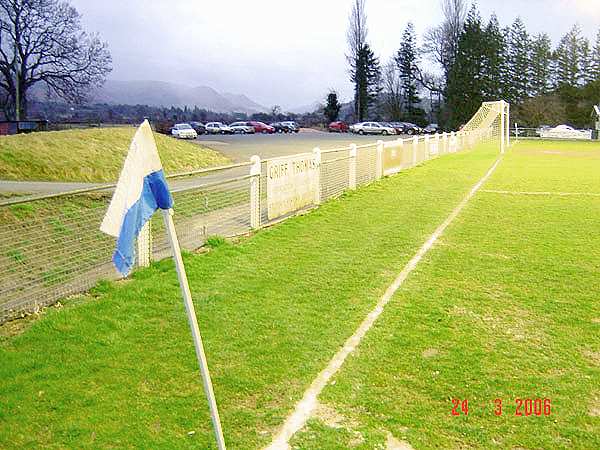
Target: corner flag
(141, 190)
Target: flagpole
(191, 314)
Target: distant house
(22, 126)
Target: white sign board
(292, 184)
(565, 134)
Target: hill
(164, 94)
(93, 155)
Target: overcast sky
(281, 52)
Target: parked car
(432, 128)
(338, 127)
(217, 128)
(411, 128)
(242, 128)
(261, 127)
(198, 127)
(398, 126)
(183, 131)
(372, 128)
(292, 125)
(281, 127)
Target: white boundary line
(560, 194)
(305, 407)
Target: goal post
(490, 124)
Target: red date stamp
(523, 407)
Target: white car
(372, 128)
(242, 128)
(217, 128)
(565, 132)
(183, 131)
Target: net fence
(51, 247)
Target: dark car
(198, 127)
(432, 128)
(282, 127)
(338, 127)
(411, 128)
(261, 127)
(398, 126)
(292, 125)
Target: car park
(183, 131)
(217, 128)
(372, 128)
(242, 128)
(261, 127)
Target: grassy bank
(120, 370)
(92, 155)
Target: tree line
(476, 61)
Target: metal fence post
(255, 192)
(379, 160)
(144, 246)
(317, 152)
(352, 167)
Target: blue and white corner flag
(141, 190)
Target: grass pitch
(505, 306)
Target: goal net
(489, 124)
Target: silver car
(373, 128)
(242, 128)
(217, 128)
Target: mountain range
(165, 94)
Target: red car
(261, 127)
(338, 127)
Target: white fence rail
(51, 246)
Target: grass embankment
(120, 370)
(505, 307)
(93, 155)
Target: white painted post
(317, 152)
(379, 162)
(427, 149)
(415, 149)
(502, 126)
(445, 142)
(255, 192)
(401, 149)
(352, 167)
(144, 246)
(507, 124)
(191, 315)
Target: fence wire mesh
(51, 248)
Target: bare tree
(441, 42)
(357, 39)
(42, 41)
(393, 98)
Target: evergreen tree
(493, 61)
(568, 58)
(518, 61)
(585, 62)
(332, 108)
(595, 59)
(466, 85)
(541, 64)
(407, 60)
(367, 81)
